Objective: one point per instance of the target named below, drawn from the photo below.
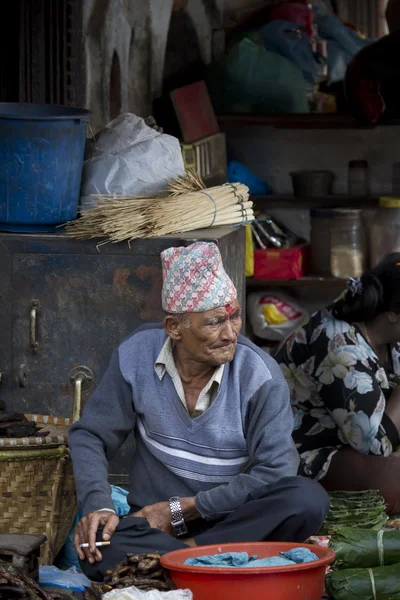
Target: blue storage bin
(41, 159)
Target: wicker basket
(37, 489)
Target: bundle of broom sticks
(187, 206)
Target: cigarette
(97, 544)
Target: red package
(284, 263)
(295, 12)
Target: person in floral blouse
(343, 371)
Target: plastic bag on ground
(274, 315)
(130, 158)
(133, 593)
(67, 580)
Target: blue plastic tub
(41, 159)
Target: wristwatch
(178, 522)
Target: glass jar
(321, 220)
(348, 244)
(385, 229)
(358, 182)
(396, 179)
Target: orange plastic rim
(174, 561)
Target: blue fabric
(282, 37)
(243, 560)
(343, 43)
(238, 173)
(300, 555)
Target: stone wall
(125, 43)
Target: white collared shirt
(165, 363)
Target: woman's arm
(393, 408)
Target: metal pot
(312, 183)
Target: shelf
(300, 121)
(304, 281)
(277, 201)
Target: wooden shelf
(300, 121)
(335, 201)
(303, 282)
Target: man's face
(211, 337)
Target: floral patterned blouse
(339, 390)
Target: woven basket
(37, 489)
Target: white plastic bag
(274, 315)
(132, 593)
(130, 158)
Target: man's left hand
(158, 515)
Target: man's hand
(86, 530)
(158, 516)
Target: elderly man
(214, 460)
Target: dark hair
(379, 292)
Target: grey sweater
(242, 442)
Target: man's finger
(92, 531)
(78, 537)
(110, 527)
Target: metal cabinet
(66, 305)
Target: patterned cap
(195, 279)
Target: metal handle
(77, 402)
(35, 306)
(22, 376)
(81, 378)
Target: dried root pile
(143, 571)
(16, 425)
(14, 584)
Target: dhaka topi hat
(195, 279)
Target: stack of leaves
(16, 425)
(380, 583)
(363, 510)
(143, 571)
(365, 548)
(367, 565)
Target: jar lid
(347, 212)
(389, 202)
(358, 164)
(321, 213)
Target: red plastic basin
(292, 582)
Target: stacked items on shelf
(187, 206)
(365, 510)
(367, 565)
(278, 253)
(286, 62)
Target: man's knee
(311, 500)
(93, 572)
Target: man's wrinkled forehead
(228, 310)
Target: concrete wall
(273, 153)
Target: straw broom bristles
(188, 206)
